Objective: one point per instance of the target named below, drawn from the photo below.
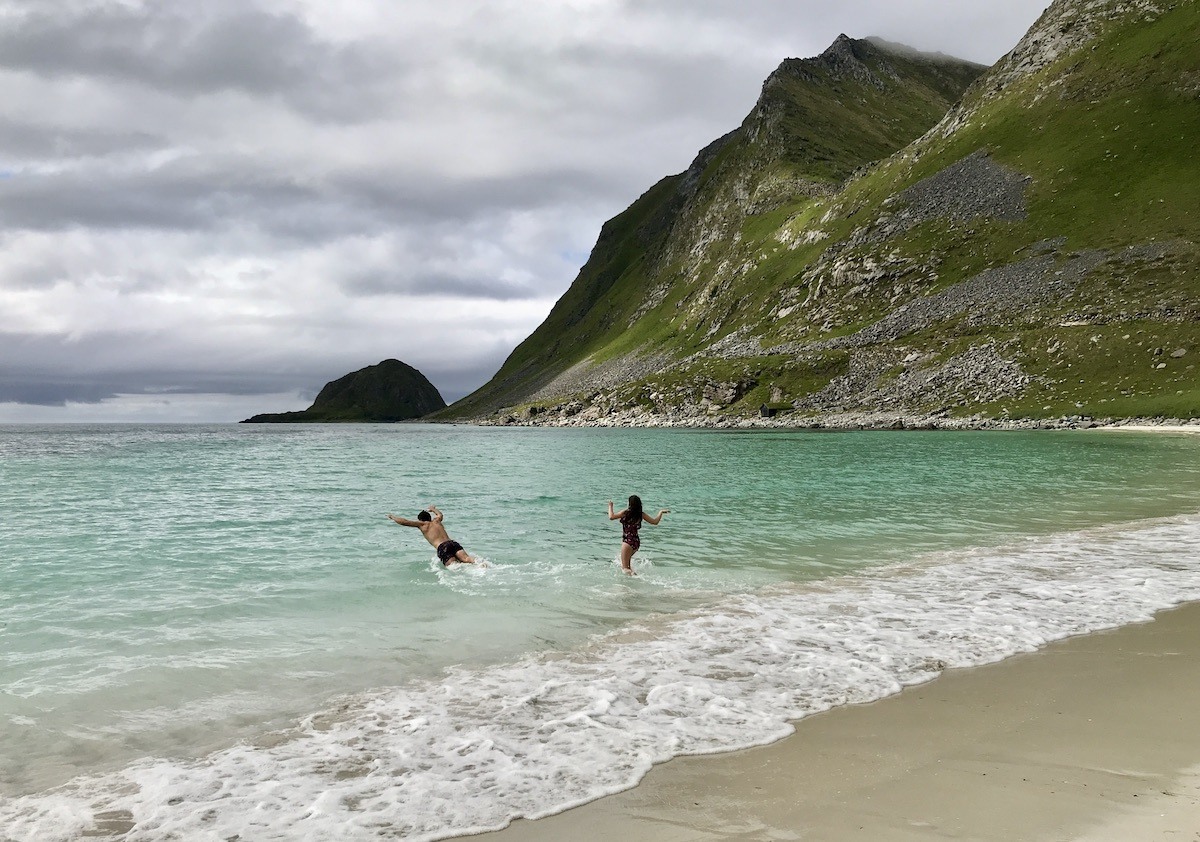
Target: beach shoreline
(1193, 428)
(1092, 738)
(838, 421)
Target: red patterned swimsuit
(629, 531)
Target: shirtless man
(431, 527)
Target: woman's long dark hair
(634, 513)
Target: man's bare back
(431, 527)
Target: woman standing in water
(631, 521)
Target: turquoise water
(203, 601)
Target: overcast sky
(210, 209)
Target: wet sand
(1094, 738)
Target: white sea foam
(481, 747)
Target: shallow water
(200, 624)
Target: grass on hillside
(1113, 370)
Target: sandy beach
(1194, 429)
(1094, 738)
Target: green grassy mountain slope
(1034, 254)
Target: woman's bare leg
(627, 558)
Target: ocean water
(208, 631)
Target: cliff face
(864, 243)
(389, 391)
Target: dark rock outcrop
(387, 392)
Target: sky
(211, 209)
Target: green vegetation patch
(1120, 369)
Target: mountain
(816, 122)
(389, 391)
(893, 232)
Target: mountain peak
(843, 48)
(842, 58)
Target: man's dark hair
(424, 515)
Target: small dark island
(388, 392)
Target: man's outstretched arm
(403, 521)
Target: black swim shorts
(447, 550)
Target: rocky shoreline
(832, 421)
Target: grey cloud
(975, 31)
(52, 391)
(17, 273)
(51, 370)
(417, 281)
(172, 198)
(57, 391)
(637, 79)
(195, 196)
(690, 99)
(195, 49)
(409, 198)
(103, 201)
(276, 57)
(23, 140)
(459, 382)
